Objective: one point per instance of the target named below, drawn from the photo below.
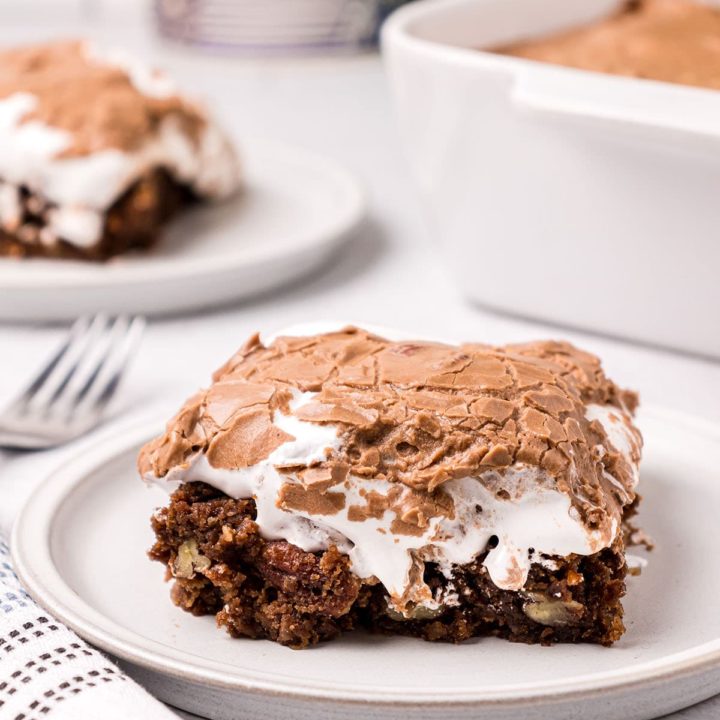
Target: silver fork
(70, 394)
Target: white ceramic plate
(80, 547)
(297, 207)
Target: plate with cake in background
(353, 522)
(117, 193)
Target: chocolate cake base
(133, 222)
(271, 589)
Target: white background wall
(49, 11)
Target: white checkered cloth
(46, 671)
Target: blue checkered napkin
(47, 671)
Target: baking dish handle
(618, 107)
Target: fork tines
(81, 378)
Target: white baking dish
(581, 198)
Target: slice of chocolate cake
(337, 481)
(97, 152)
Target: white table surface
(390, 274)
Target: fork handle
(21, 441)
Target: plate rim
(81, 275)
(32, 562)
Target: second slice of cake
(97, 152)
(343, 480)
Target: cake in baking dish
(327, 482)
(676, 41)
(97, 152)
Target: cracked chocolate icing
(89, 135)
(99, 103)
(416, 415)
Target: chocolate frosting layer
(413, 413)
(96, 100)
(675, 41)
